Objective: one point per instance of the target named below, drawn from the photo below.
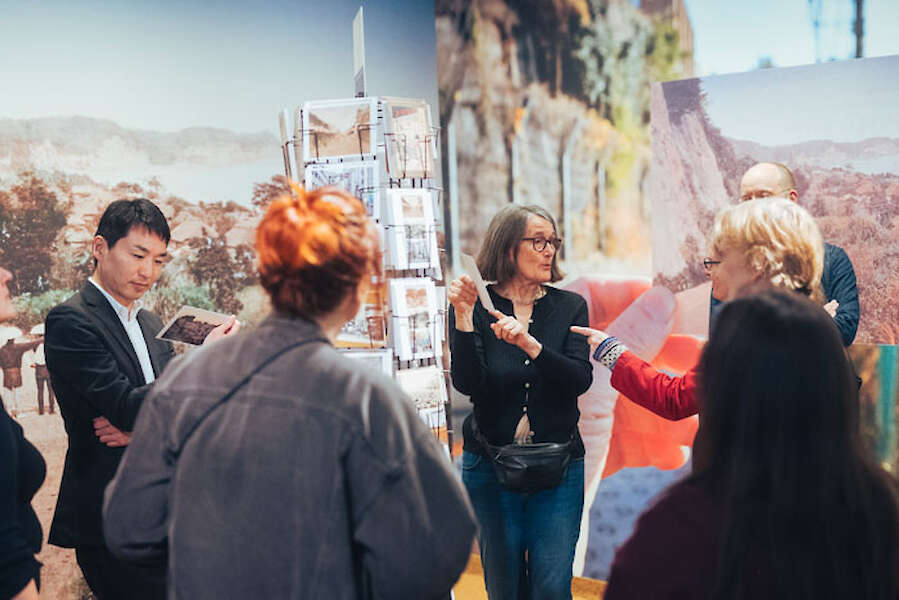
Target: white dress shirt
(132, 328)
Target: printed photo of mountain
(833, 125)
(177, 104)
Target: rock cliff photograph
(832, 125)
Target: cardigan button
(527, 361)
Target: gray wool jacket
(315, 479)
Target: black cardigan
(501, 378)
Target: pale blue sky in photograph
(845, 101)
(731, 36)
(167, 65)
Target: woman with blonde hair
(770, 241)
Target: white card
(471, 269)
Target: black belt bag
(527, 467)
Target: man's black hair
(120, 216)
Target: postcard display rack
(383, 151)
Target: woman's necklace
(541, 292)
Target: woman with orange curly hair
(270, 466)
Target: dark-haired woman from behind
(789, 504)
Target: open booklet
(191, 325)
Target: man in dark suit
(103, 356)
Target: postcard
(412, 229)
(360, 178)
(428, 393)
(415, 318)
(426, 386)
(334, 129)
(191, 325)
(368, 329)
(410, 141)
(379, 360)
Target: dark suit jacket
(838, 282)
(94, 371)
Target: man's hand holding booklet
(196, 326)
(470, 268)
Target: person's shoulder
(683, 517)
(351, 373)
(684, 514)
(71, 313)
(681, 509)
(15, 427)
(834, 252)
(565, 296)
(74, 303)
(365, 392)
(565, 304)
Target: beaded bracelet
(608, 352)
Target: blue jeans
(527, 540)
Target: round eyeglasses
(708, 262)
(539, 243)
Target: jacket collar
(293, 328)
(108, 317)
(120, 309)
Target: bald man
(838, 279)
(768, 179)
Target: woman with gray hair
(523, 370)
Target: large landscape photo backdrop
(833, 125)
(558, 104)
(177, 103)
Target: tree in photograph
(174, 290)
(32, 309)
(30, 219)
(213, 265)
(124, 189)
(264, 193)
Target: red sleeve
(672, 398)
